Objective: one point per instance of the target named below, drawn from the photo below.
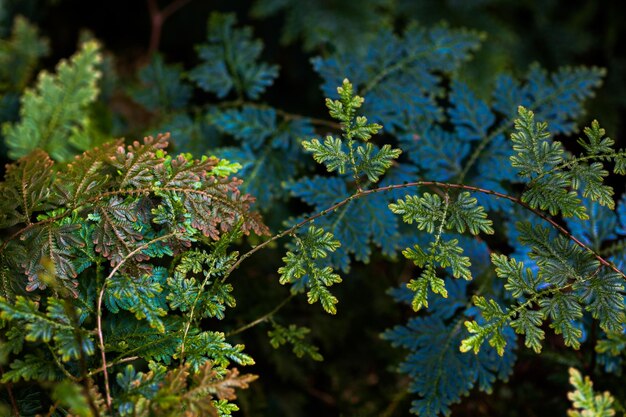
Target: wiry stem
(117, 362)
(157, 18)
(14, 408)
(138, 249)
(261, 319)
(192, 313)
(363, 193)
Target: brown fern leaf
(136, 163)
(208, 381)
(215, 203)
(183, 400)
(50, 260)
(87, 176)
(26, 188)
(116, 236)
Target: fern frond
(301, 267)
(295, 336)
(206, 346)
(19, 55)
(399, 75)
(584, 399)
(222, 70)
(140, 296)
(56, 107)
(26, 189)
(440, 373)
(161, 87)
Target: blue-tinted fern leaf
(161, 87)
(495, 173)
(396, 75)
(356, 225)
(270, 151)
(555, 98)
(472, 118)
(601, 227)
(190, 134)
(440, 373)
(230, 61)
(250, 125)
(441, 164)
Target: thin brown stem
(117, 362)
(282, 113)
(364, 193)
(261, 319)
(9, 386)
(53, 408)
(138, 249)
(313, 120)
(157, 18)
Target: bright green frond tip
(339, 154)
(54, 115)
(585, 402)
(345, 109)
(225, 168)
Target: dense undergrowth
(462, 232)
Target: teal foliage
(397, 76)
(230, 61)
(269, 149)
(440, 373)
(161, 87)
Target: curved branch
(471, 188)
(261, 319)
(138, 249)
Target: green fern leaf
(585, 402)
(425, 211)
(311, 246)
(31, 367)
(528, 323)
(56, 107)
(519, 282)
(564, 310)
(329, 153)
(296, 337)
(374, 166)
(465, 213)
(19, 55)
